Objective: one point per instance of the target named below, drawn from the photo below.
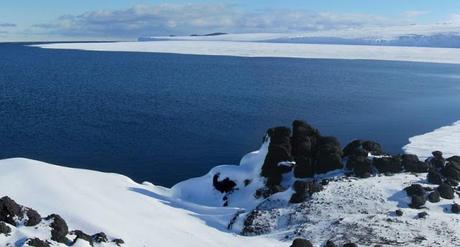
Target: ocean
(164, 118)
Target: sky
(32, 20)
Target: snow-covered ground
(260, 49)
(445, 139)
(140, 214)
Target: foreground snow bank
(253, 49)
(445, 139)
(140, 214)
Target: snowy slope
(445, 139)
(142, 215)
(260, 49)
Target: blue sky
(125, 19)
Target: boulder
(445, 191)
(328, 155)
(352, 148)
(224, 186)
(279, 150)
(4, 229)
(455, 159)
(415, 190)
(399, 212)
(455, 208)
(437, 161)
(434, 197)
(388, 164)
(83, 236)
(330, 243)
(452, 170)
(100, 238)
(59, 228)
(298, 198)
(33, 217)
(300, 242)
(411, 163)
(118, 241)
(36, 242)
(360, 165)
(417, 202)
(350, 245)
(434, 177)
(303, 167)
(422, 215)
(373, 147)
(10, 211)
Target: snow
(445, 139)
(140, 214)
(261, 49)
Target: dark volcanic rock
(399, 212)
(267, 191)
(417, 202)
(455, 159)
(350, 245)
(35, 242)
(300, 242)
(411, 163)
(360, 165)
(223, 186)
(452, 170)
(10, 211)
(437, 161)
(279, 151)
(298, 198)
(100, 237)
(388, 164)
(4, 229)
(83, 236)
(303, 167)
(373, 147)
(434, 197)
(33, 217)
(422, 215)
(59, 228)
(330, 243)
(352, 148)
(118, 241)
(434, 177)
(415, 189)
(328, 155)
(455, 208)
(445, 191)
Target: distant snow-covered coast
(261, 49)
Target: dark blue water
(164, 117)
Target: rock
(422, 215)
(4, 229)
(33, 217)
(373, 147)
(434, 177)
(328, 155)
(59, 228)
(388, 164)
(434, 197)
(445, 191)
(35, 242)
(298, 198)
(303, 167)
(300, 242)
(279, 151)
(267, 191)
(411, 163)
(437, 161)
(360, 165)
(352, 147)
(350, 245)
(330, 243)
(452, 170)
(451, 182)
(455, 208)
(223, 186)
(83, 236)
(10, 211)
(399, 212)
(417, 202)
(415, 189)
(100, 238)
(118, 241)
(455, 159)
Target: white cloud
(415, 13)
(182, 19)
